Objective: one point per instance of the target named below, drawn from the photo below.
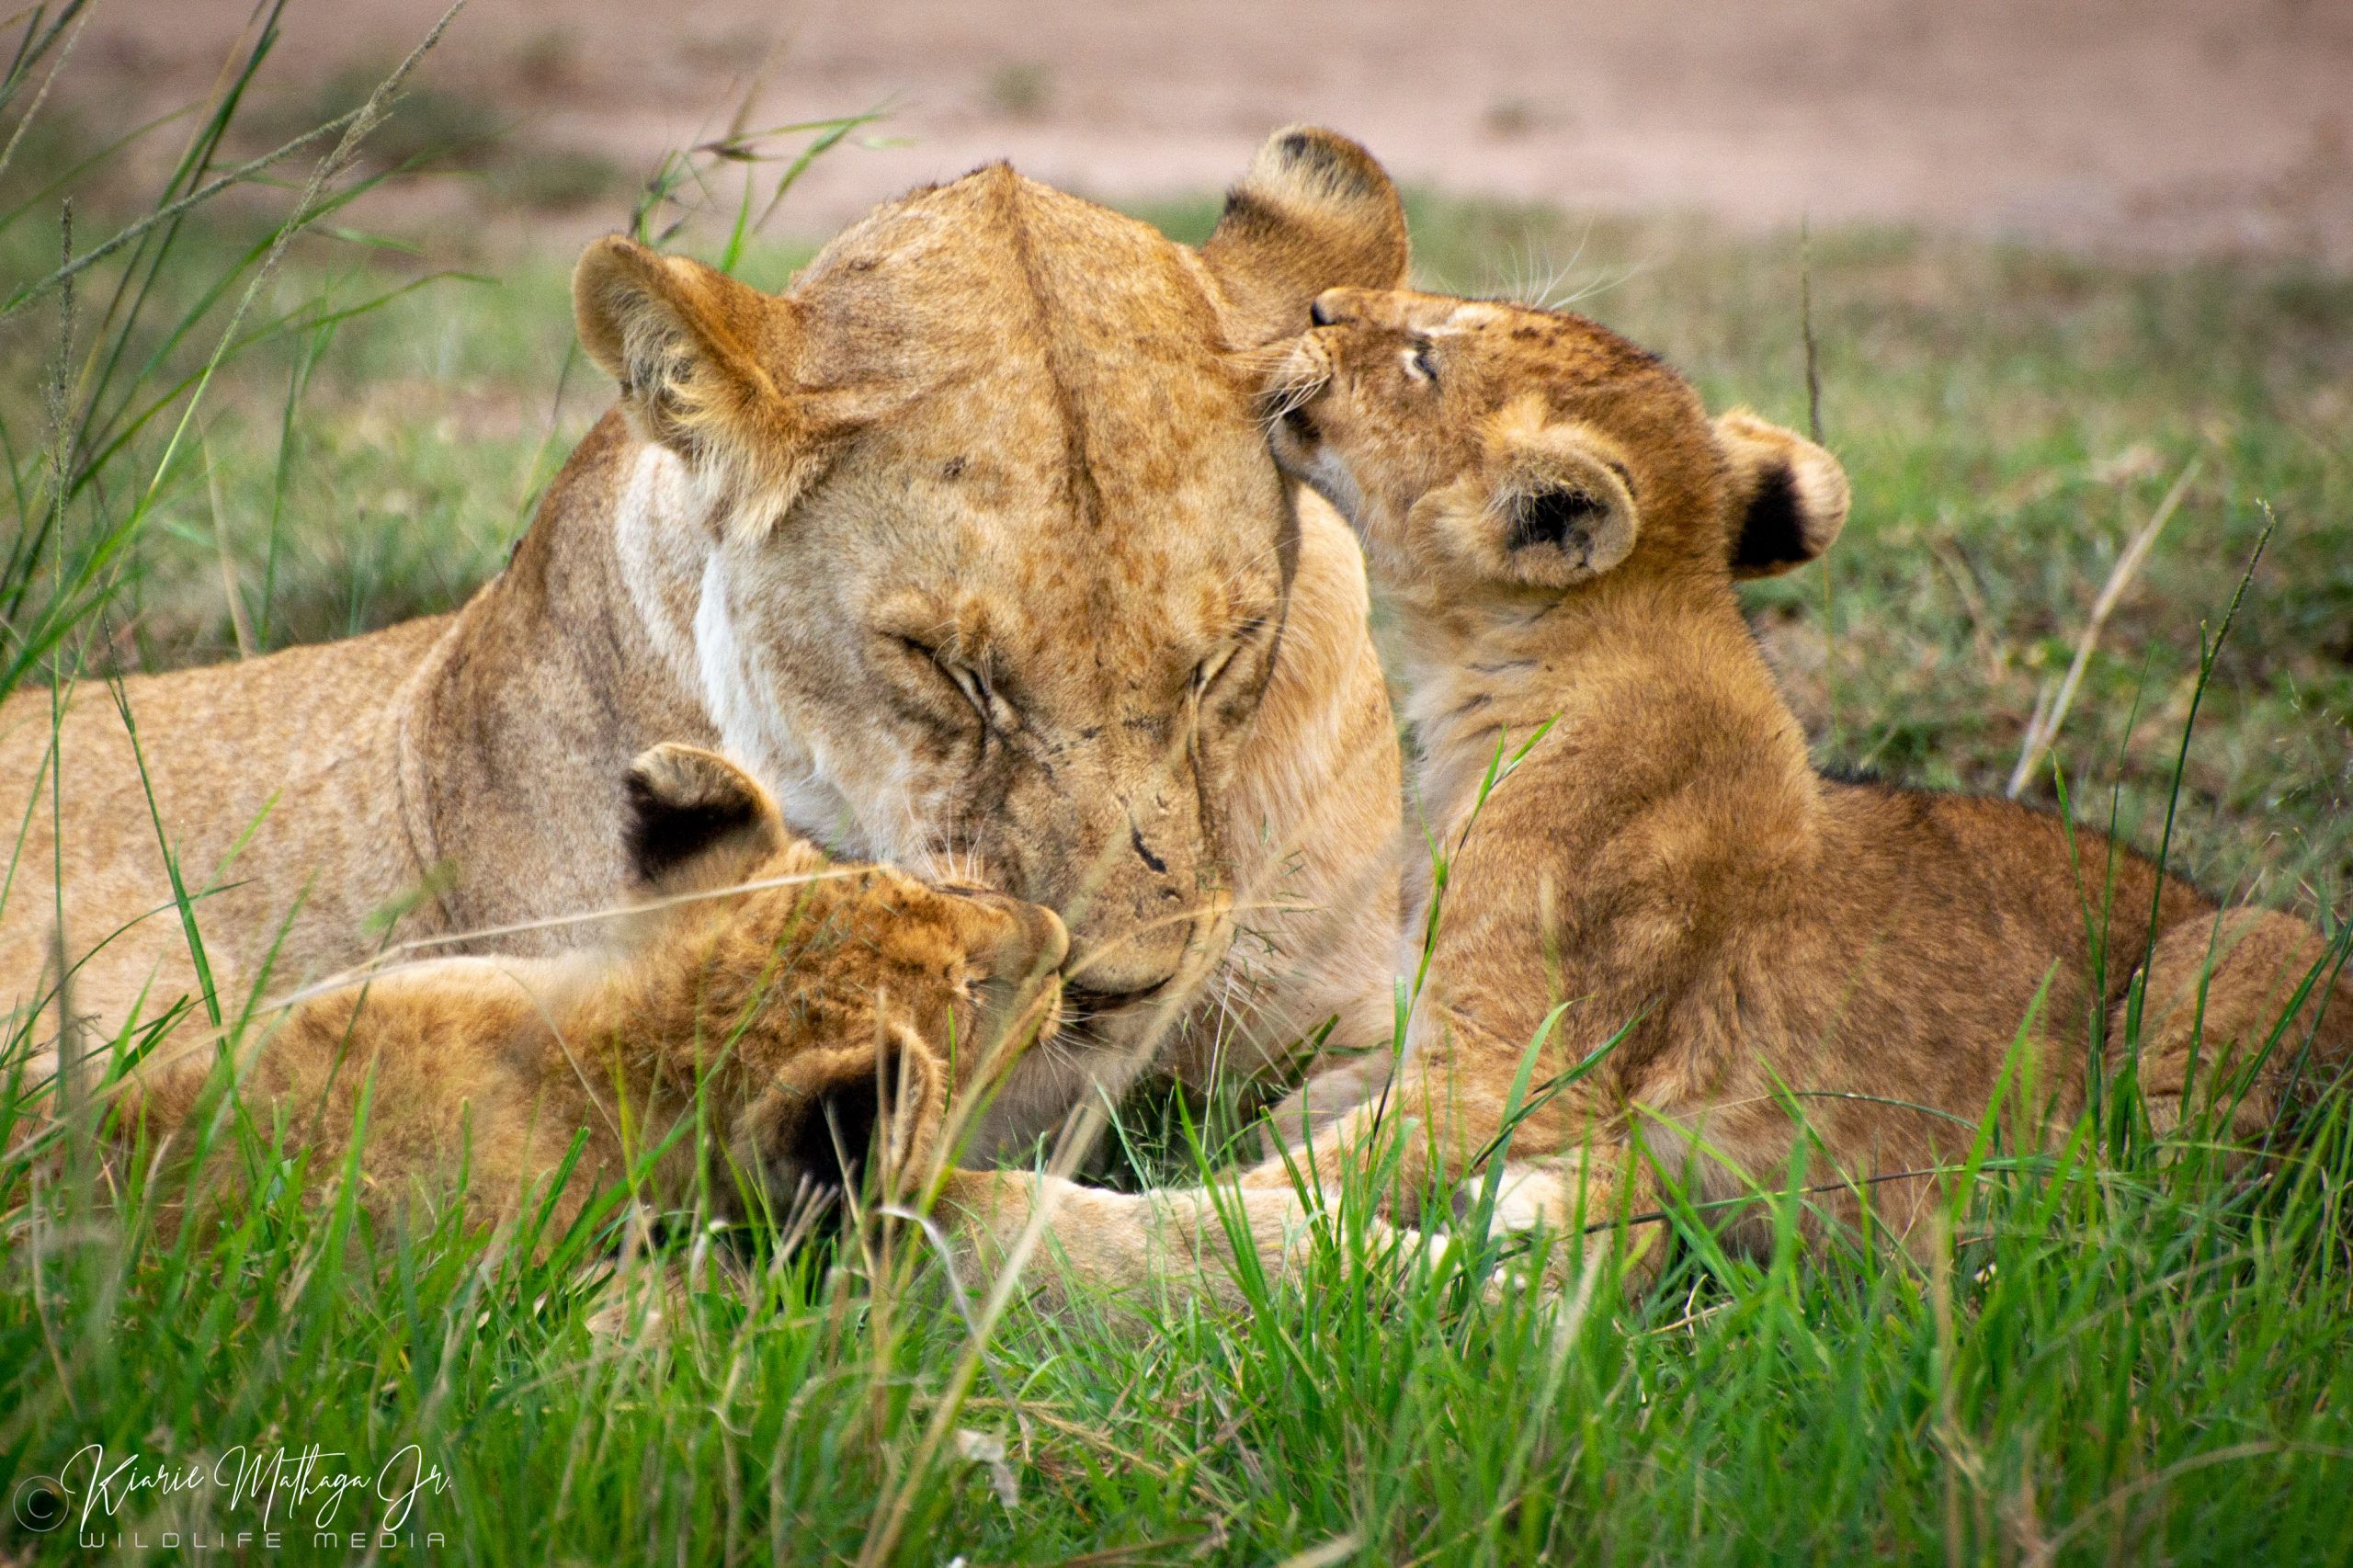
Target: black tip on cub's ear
(833, 1113)
(1773, 537)
(1789, 496)
(1313, 211)
(828, 1146)
(1326, 163)
(665, 835)
(686, 804)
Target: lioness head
(840, 1007)
(1496, 450)
(997, 561)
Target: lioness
(801, 1009)
(969, 547)
(1666, 940)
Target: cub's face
(1499, 451)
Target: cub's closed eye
(1420, 363)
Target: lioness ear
(696, 819)
(1789, 496)
(704, 364)
(1315, 211)
(1559, 514)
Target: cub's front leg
(1436, 1125)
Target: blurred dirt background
(2165, 127)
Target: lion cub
(1558, 525)
(805, 1004)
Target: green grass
(2125, 1360)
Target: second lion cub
(675, 1051)
(1558, 525)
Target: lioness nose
(1327, 308)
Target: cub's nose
(1326, 308)
(1020, 963)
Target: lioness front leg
(1466, 1098)
(1052, 1232)
(1057, 1232)
(1576, 1209)
(1437, 1126)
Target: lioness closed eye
(1559, 525)
(816, 1013)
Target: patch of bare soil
(2165, 126)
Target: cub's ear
(696, 820)
(1559, 514)
(1315, 211)
(705, 366)
(1789, 496)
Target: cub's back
(1992, 894)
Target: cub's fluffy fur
(1559, 525)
